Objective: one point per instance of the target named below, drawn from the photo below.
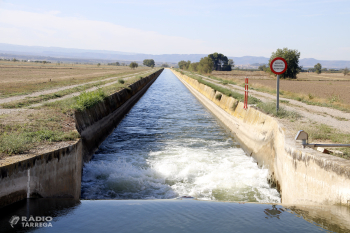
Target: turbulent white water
(170, 146)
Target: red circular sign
(278, 65)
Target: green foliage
(87, 100)
(98, 64)
(227, 92)
(263, 68)
(14, 143)
(218, 96)
(21, 140)
(318, 68)
(270, 108)
(205, 65)
(165, 65)
(121, 81)
(346, 71)
(149, 62)
(220, 62)
(194, 67)
(133, 65)
(114, 64)
(292, 58)
(231, 63)
(184, 65)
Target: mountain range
(84, 55)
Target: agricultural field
(18, 78)
(328, 89)
(37, 115)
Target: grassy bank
(39, 127)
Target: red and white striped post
(246, 93)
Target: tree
(346, 71)
(262, 67)
(165, 65)
(98, 64)
(318, 68)
(149, 62)
(194, 66)
(133, 65)
(292, 58)
(220, 62)
(231, 63)
(184, 65)
(205, 65)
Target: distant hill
(80, 55)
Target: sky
(316, 28)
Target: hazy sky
(318, 29)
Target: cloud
(48, 29)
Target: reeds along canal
(168, 146)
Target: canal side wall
(58, 173)
(97, 123)
(53, 174)
(302, 175)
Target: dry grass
(23, 78)
(331, 91)
(29, 129)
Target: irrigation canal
(168, 146)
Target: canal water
(169, 146)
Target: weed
(121, 81)
(334, 98)
(227, 92)
(285, 101)
(270, 108)
(310, 96)
(14, 143)
(87, 100)
(218, 96)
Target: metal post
(278, 93)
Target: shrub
(88, 99)
(14, 143)
(218, 96)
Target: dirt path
(15, 98)
(322, 115)
(50, 91)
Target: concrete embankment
(302, 176)
(58, 173)
(96, 123)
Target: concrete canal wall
(58, 173)
(302, 176)
(96, 123)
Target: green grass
(227, 92)
(322, 132)
(87, 100)
(270, 108)
(218, 96)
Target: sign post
(278, 66)
(246, 94)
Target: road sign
(278, 65)
(246, 94)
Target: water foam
(168, 146)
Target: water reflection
(185, 215)
(36, 208)
(273, 212)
